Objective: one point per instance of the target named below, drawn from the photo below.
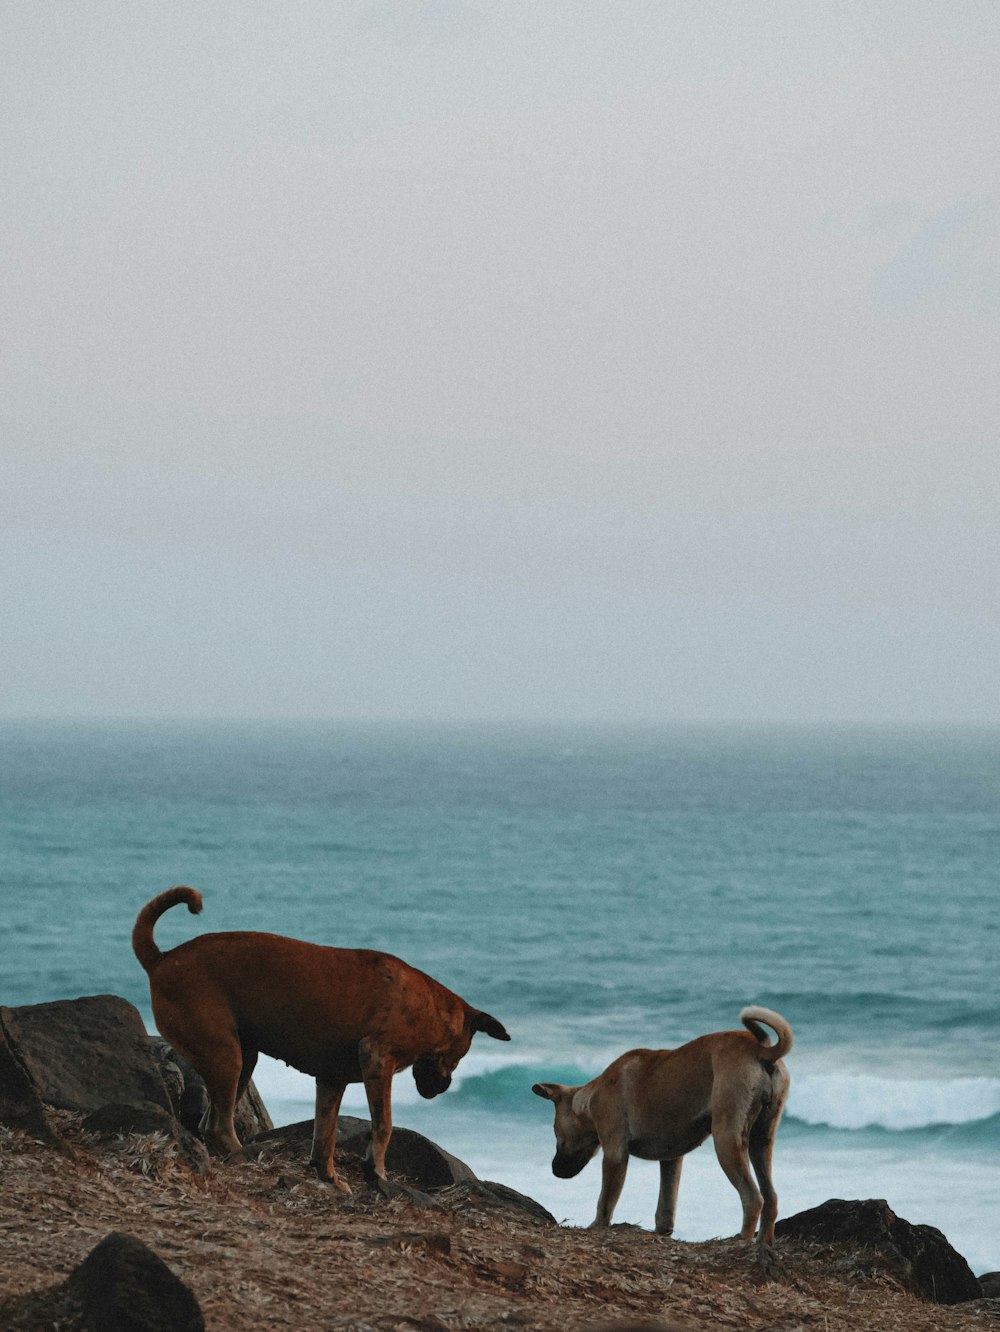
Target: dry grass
(264, 1245)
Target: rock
(20, 1105)
(431, 1176)
(990, 1285)
(169, 1065)
(83, 1053)
(121, 1286)
(189, 1096)
(919, 1257)
(422, 1163)
(391, 1189)
(488, 1194)
(114, 1119)
(94, 1055)
(121, 1118)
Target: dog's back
(307, 1004)
(300, 1001)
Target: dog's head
(576, 1140)
(433, 1071)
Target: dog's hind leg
(328, 1098)
(222, 1076)
(761, 1145)
(761, 1148)
(732, 1114)
(732, 1154)
(670, 1178)
(249, 1055)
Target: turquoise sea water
(595, 889)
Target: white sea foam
(828, 1100)
(856, 1101)
(289, 1094)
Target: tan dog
(340, 1014)
(660, 1104)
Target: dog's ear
(483, 1022)
(548, 1091)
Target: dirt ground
(264, 1245)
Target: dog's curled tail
(142, 933)
(753, 1016)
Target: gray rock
(990, 1283)
(123, 1286)
(422, 1163)
(919, 1257)
(430, 1175)
(492, 1196)
(20, 1105)
(83, 1053)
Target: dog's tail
(753, 1016)
(142, 934)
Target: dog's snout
(565, 1167)
(429, 1079)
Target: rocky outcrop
(489, 1196)
(83, 1053)
(121, 1286)
(20, 1105)
(430, 1176)
(93, 1055)
(421, 1162)
(918, 1257)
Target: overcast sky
(500, 359)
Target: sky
(524, 360)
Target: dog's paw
(333, 1179)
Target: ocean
(595, 889)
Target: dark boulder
(83, 1053)
(422, 1163)
(121, 1286)
(430, 1176)
(93, 1055)
(918, 1257)
(20, 1105)
(189, 1096)
(488, 1195)
(990, 1283)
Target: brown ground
(264, 1245)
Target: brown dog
(340, 1014)
(660, 1104)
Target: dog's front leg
(328, 1098)
(377, 1070)
(670, 1178)
(613, 1169)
